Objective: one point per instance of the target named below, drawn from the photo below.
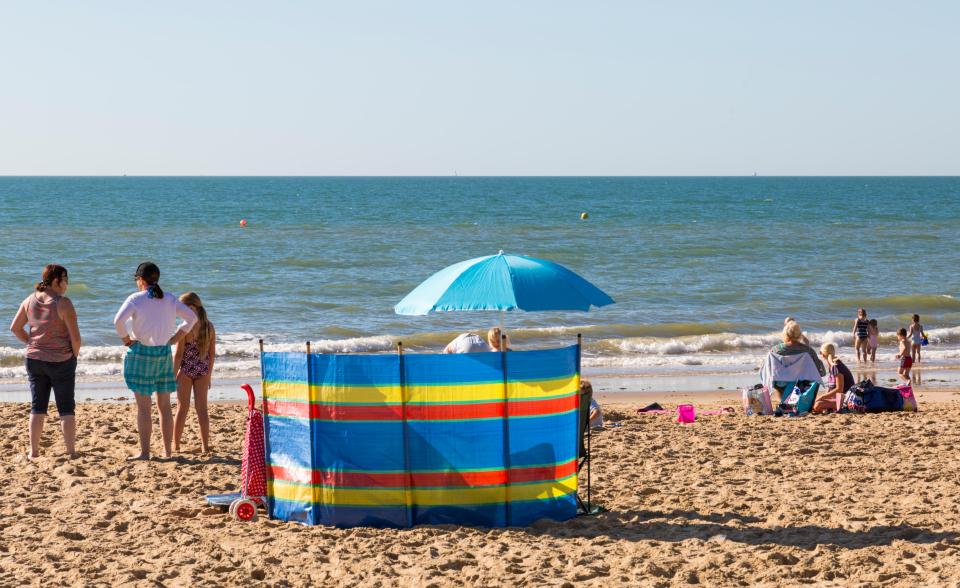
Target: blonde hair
(792, 332)
(828, 349)
(494, 337)
(204, 328)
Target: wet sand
(858, 500)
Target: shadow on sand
(636, 526)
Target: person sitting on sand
(793, 344)
(148, 365)
(53, 344)
(473, 343)
(839, 381)
(781, 366)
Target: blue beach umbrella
(502, 282)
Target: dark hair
(873, 322)
(150, 273)
(902, 332)
(51, 273)
(916, 318)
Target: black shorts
(59, 375)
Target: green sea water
(703, 269)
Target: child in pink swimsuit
(193, 364)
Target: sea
(703, 269)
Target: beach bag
(852, 402)
(860, 386)
(800, 400)
(909, 399)
(686, 413)
(756, 400)
(879, 399)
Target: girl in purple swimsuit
(193, 364)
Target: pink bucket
(686, 413)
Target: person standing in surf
(53, 344)
(917, 336)
(148, 365)
(861, 335)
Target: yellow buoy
(584, 216)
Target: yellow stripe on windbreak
(422, 394)
(286, 391)
(422, 497)
(491, 392)
(290, 491)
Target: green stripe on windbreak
(470, 471)
(400, 419)
(401, 488)
(404, 506)
(456, 402)
(426, 384)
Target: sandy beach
(728, 500)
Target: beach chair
(782, 372)
(583, 443)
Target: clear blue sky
(483, 88)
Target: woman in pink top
(53, 344)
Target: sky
(479, 88)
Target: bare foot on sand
(141, 457)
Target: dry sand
(729, 500)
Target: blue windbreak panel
(354, 370)
(284, 367)
(288, 437)
(543, 440)
(452, 446)
(359, 446)
(561, 508)
(541, 364)
(452, 369)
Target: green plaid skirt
(148, 369)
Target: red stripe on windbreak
(421, 412)
(549, 406)
(424, 479)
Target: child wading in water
(193, 365)
(906, 362)
(873, 340)
(861, 333)
(917, 336)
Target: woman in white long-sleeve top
(148, 365)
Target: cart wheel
(246, 510)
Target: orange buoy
(243, 222)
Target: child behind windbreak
(873, 340)
(916, 336)
(906, 362)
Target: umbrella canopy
(503, 282)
